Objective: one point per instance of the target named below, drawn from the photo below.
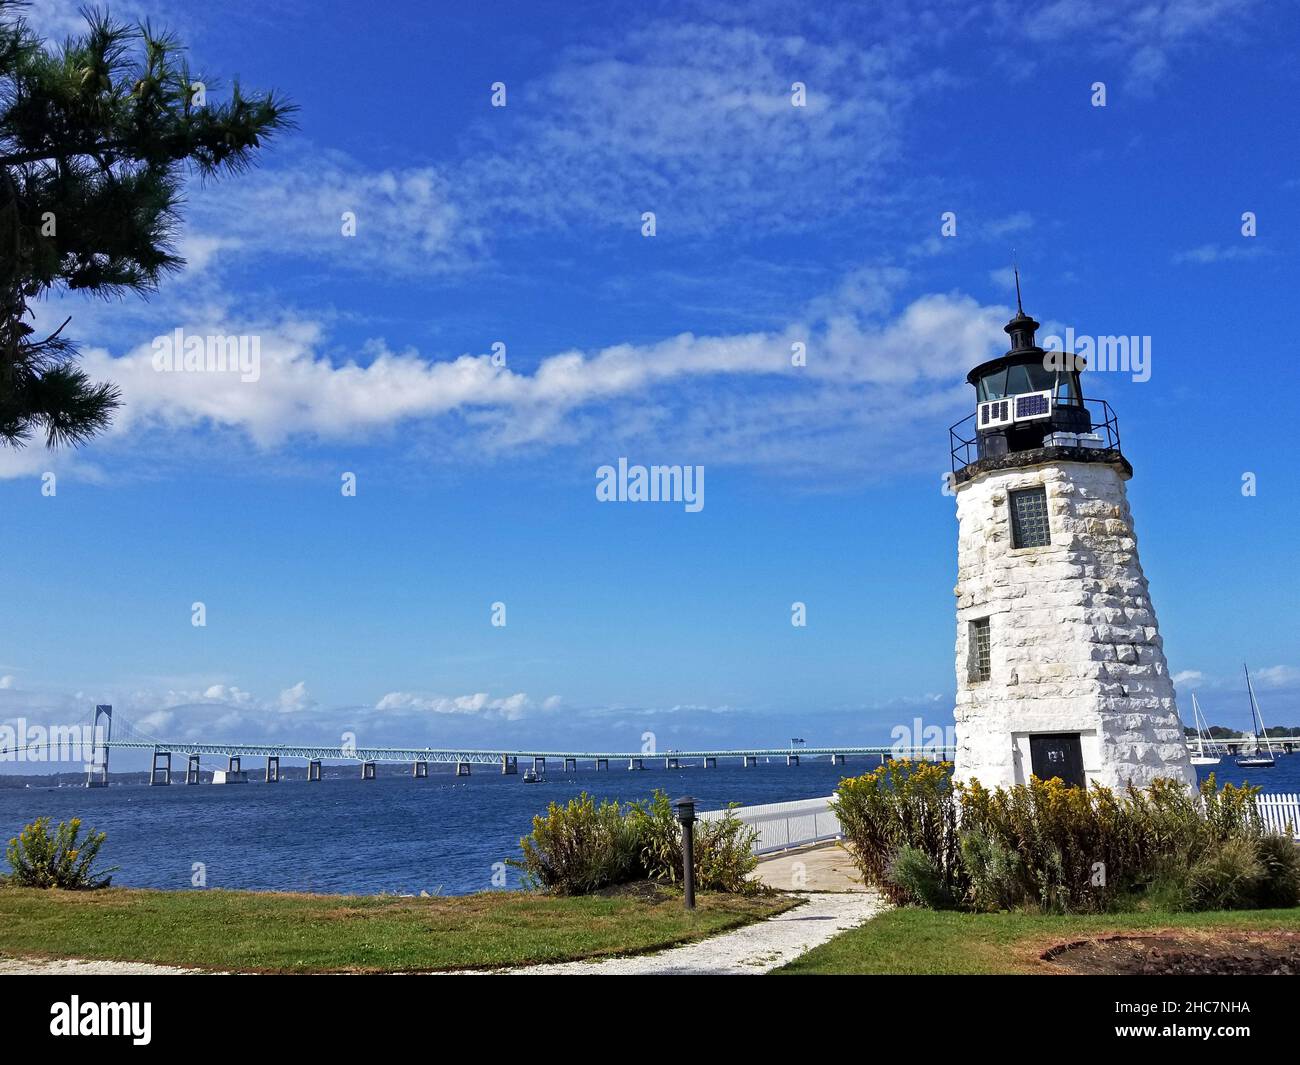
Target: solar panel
(994, 412)
(1032, 406)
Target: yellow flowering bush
(43, 859)
(584, 846)
(1046, 846)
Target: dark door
(1058, 755)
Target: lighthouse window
(1029, 526)
(979, 659)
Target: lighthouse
(1061, 670)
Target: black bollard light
(686, 815)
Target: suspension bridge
(99, 742)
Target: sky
(851, 180)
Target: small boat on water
(531, 776)
(1205, 743)
(1257, 759)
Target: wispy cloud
(871, 372)
(1220, 253)
(1146, 38)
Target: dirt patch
(645, 890)
(1181, 953)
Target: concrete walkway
(755, 949)
(834, 901)
(824, 867)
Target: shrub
(724, 855)
(1226, 878)
(901, 804)
(582, 847)
(1280, 858)
(579, 848)
(43, 860)
(994, 871)
(916, 878)
(1056, 849)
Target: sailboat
(1203, 738)
(1256, 760)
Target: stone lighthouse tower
(1061, 670)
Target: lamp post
(686, 815)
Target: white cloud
(296, 698)
(691, 120)
(1189, 678)
(1219, 253)
(1278, 676)
(406, 220)
(7, 681)
(1145, 36)
(877, 374)
(509, 708)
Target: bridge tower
(1061, 669)
(97, 767)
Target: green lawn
(916, 941)
(272, 932)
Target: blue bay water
(396, 833)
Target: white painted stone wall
(1074, 642)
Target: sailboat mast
(1198, 721)
(1254, 715)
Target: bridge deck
(490, 757)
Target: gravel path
(80, 967)
(757, 948)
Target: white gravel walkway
(754, 949)
(83, 967)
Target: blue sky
(775, 224)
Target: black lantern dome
(1027, 394)
(1029, 400)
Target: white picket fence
(1280, 812)
(783, 825)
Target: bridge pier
(166, 769)
(750, 759)
(837, 759)
(636, 763)
(192, 770)
(313, 772)
(97, 770)
(420, 769)
(462, 769)
(509, 765)
(367, 770)
(539, 764)
(602, 763)
(791, 759)
(710, 763)
(232, 764)
(570, 765)
(273, 769)
(672, 763)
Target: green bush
(1047, 847)
(901, 804)
(582, 847)
(995, 872)
(579, 848)
(916, 878)
(724, 855)
(1280, 858)
(40, 859)
(1226, 878)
